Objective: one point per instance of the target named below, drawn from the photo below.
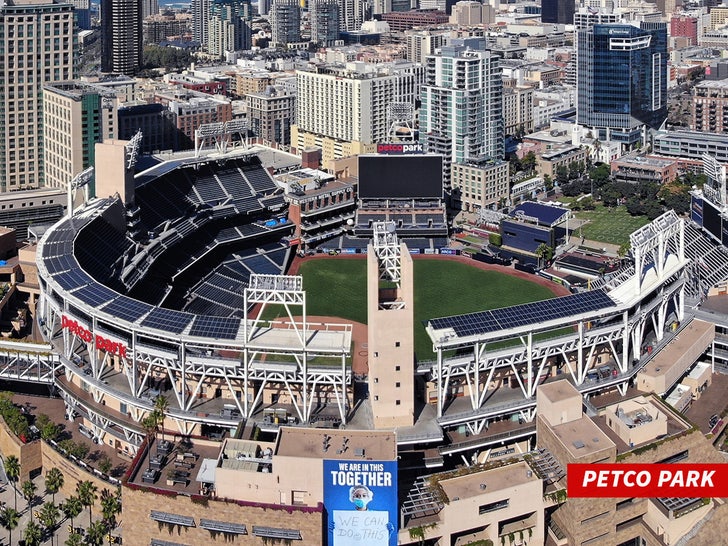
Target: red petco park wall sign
(101, 343)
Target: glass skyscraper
(622, 80)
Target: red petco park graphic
(647, 480)
(101, 343)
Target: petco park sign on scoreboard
(400, 148)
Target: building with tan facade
(75, 117)
(39, 49)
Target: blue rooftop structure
(546, 215)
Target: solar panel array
(95, 294)
(215, 327)
(127, 309)
(167, 320)
(522, 315)
(173, 519)
(274, 532)
(223, 526)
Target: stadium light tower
(401, 121)
(132, 150)
(81, 180)
(220, 135)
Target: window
(493, 506)
(376, 380)
(396, 343)
(396, 368)
(397, 402)
(397, 385)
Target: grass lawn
(442, 288)
(609, 225)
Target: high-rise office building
(149, 7)
(421, 43)
(38, 48)
(351, 14)
(462, 105)
(82, 10)
(343, 109)
(622, 80)
(200, 19)
(121, 36)
(271, 114)
(229, 26)
(324, 16)
(558, 11)
(285, 22)
(75, 117)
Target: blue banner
(696, 210)
(360, 498)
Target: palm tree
(161, 405)
(543, 253)
(12, 469)
(95, 533)
(110, 506)
(86, 491)
(33, 534)
(74, 539)
(54, 480)
(10, 518)
(29, 488)
(49, 516)
(72, 508)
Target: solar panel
(521, 315)
(72, 279)
(174, 519)
(127, 308)
(215, 327)
(167, 320)
(160, 542)
(274, 532)
(223, 526)
(95, 294)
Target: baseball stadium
(186, 281)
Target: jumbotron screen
(711, 219)
(416, 176)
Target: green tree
(72, 508)
(161, 405)
(54, 480)
(587, 203)
(110, 506)
(12, 469)
(10, 518)
(86, 491)
(49, 514)
(105, 465)
(48, 429)
(600, 175)
(528, 162)
(74, 539)
(623, 250)
(29, 488)
(544, 253)
(548, 182)
(95, 533)
(33, 534)
(562, 174)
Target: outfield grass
(442, 288)
(609, 225)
